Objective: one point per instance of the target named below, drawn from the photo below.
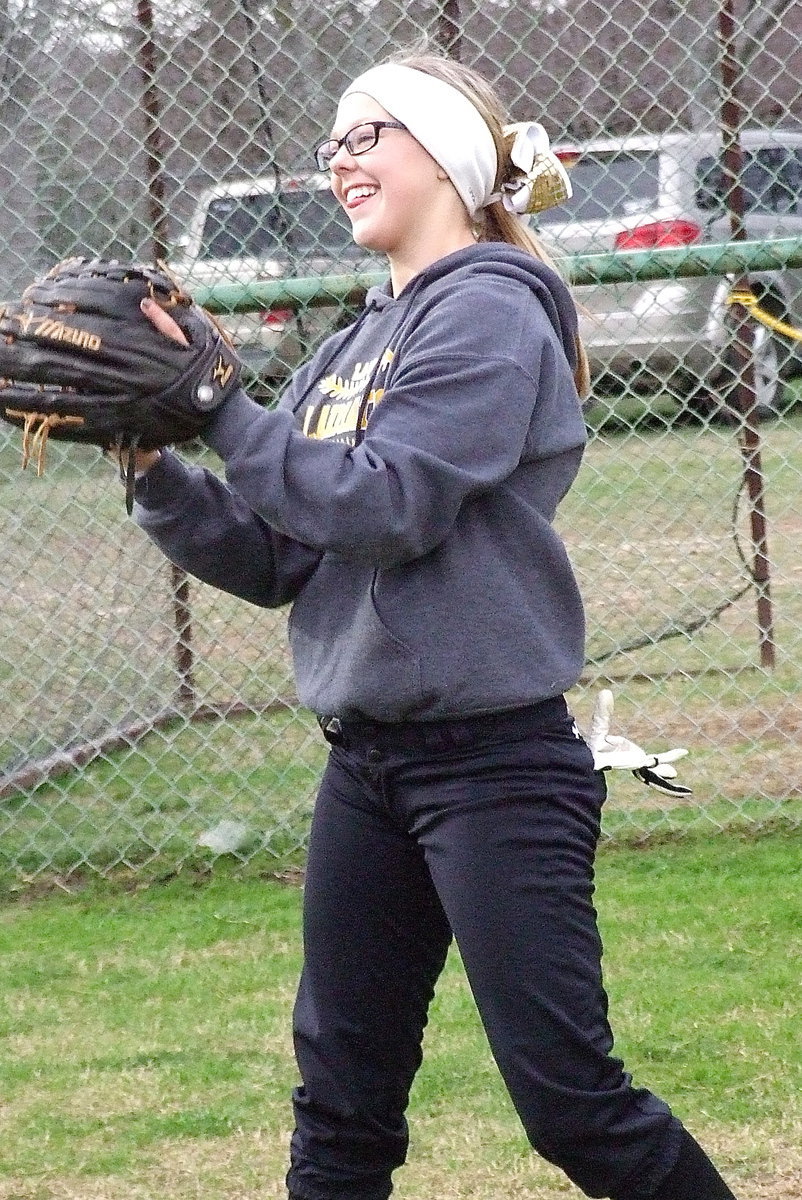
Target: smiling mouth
(356, 194)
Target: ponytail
(494, 223)
(497, 224)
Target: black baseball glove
(80, 361)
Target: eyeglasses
(356, 141)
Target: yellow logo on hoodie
(349, 407)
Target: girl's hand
(163, 321)
(144, 459)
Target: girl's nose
(342, 160)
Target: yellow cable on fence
(749, 301)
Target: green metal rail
(725, 258)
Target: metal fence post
(743, 339)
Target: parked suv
(254, 230)
(629, 194)
(647, 191)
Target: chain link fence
(148, 719)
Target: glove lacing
(128, 472)
(36, 431)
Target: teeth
(363, 190)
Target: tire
(767, 355)
(772, 358)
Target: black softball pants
(486, 829)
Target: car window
(242, 225)
(607, 184)
(317, 226)
(771, 180)
(297, 224)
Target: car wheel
(720, 396)
(768, 378)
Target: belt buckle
(332, 730)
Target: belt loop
(332, 730)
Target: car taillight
(276, 318)
(658, 233)
(567, 155)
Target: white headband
(443, 120)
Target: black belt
(453, 731)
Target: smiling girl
(401, 499)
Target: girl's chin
(368, 240)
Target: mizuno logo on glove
(57, 331)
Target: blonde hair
(494, 223)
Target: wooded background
(241, 86)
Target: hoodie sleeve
(455, 420)
(200, 525)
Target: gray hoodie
(402, 495)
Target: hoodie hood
(493, 260)
(491, 263)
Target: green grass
(87, 644)
(650, 527)
(150, 802)
(628, 408)
(148, 1052)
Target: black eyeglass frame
(322, 164)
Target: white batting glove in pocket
(613, 752)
